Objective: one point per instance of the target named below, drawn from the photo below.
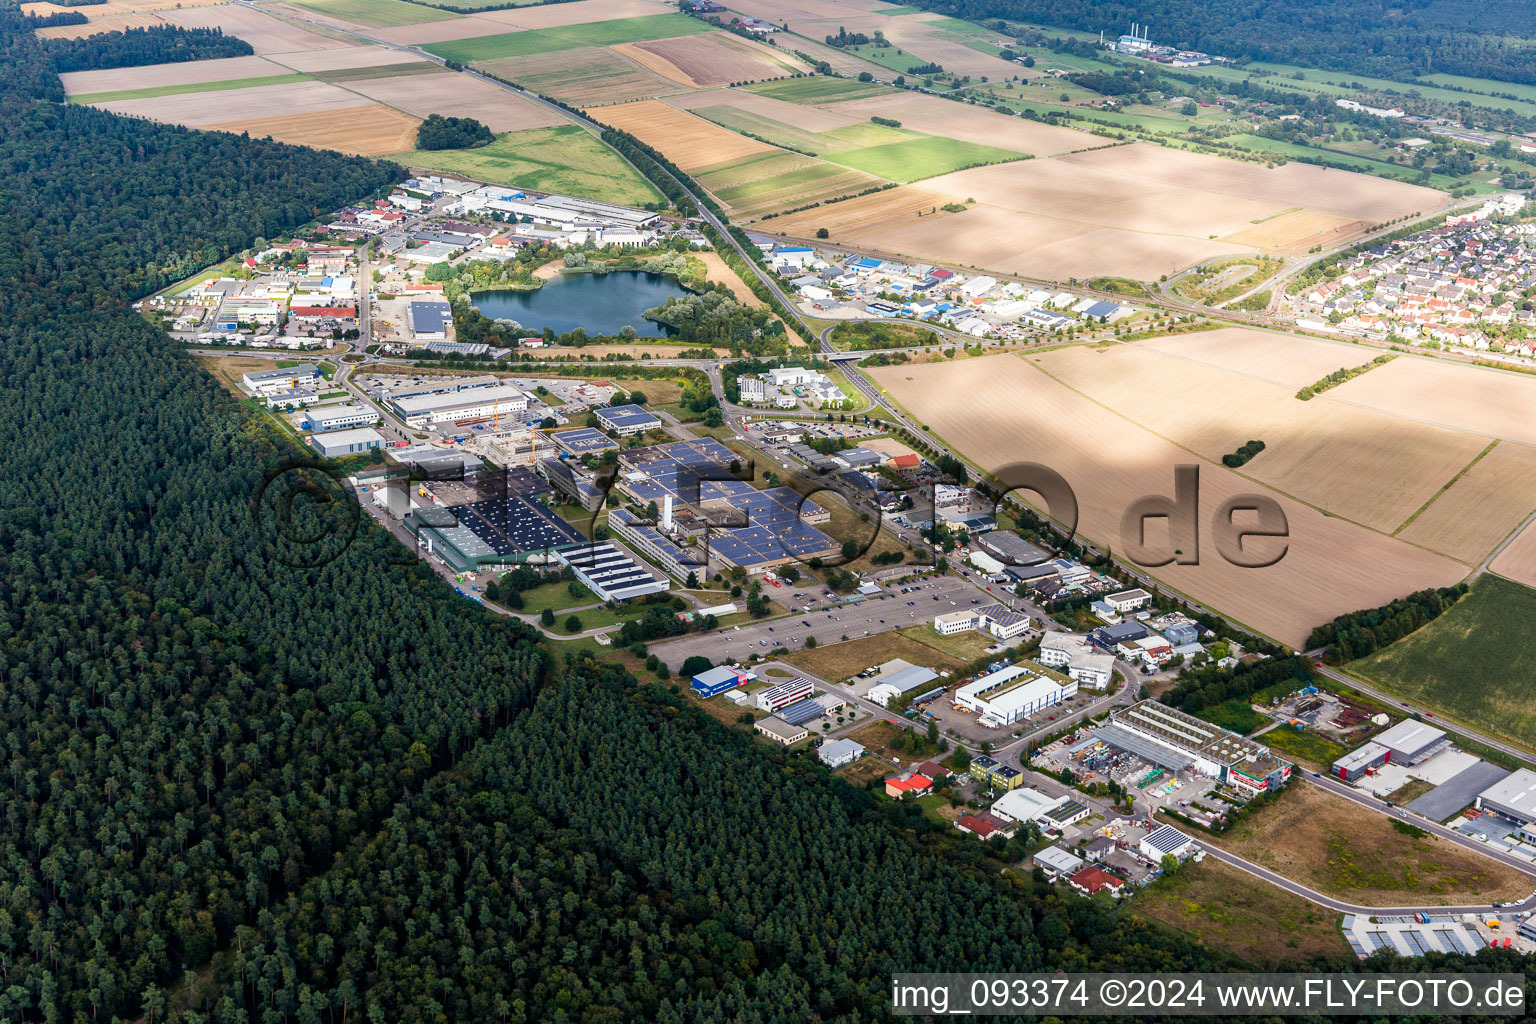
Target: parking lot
(828, 619)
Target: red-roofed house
(424, 286)
(899, 786)
(905, 463)
(1093, 880)
(986, 825)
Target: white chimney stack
(666, 514)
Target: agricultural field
(690, 142)
(768, 111)
(816, 89)
(371, 59)
(712, 59)
(1477, 510)
(1341, 849)
(566, 37)
(1013, 410)
(773, 180)
(152, 92)
(909, 157)
(1298, 231)
(454, 95)
(186, 73)
(1489, 401)
(1227, 908)
(589, 77)
(564, 159)
(934, 116)
(370, 130)
(208, 109)
(368, 13)
(1518, 560)
(265, 33)
(1474, 663)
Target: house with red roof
(899, 786)
(1093, 880)
(986, 825)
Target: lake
(597, 303)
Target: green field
(565, 159)
(817, 89)
(1475, 662)
(766, 128)
(421, 67)
(1316, 751)
(569, 37)
(374, 13)
(879, 334)
(778, 181)
(923, 157)
(481, 5)
(176, 90)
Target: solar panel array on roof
(689, 556)
(622, 416)
(514, 525)
(584, 439)
(1450, 941)
(610, 573)
(804, 711)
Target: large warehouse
(610, 573)
(465, 404)
(347, 442)
(1013, 693)
(339, 417)
(625, 420)
(1408, 742)
(1175, 741)
(501, 530)
(1513, 797)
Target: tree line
(137, 47)
(1357, 634)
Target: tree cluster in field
(1232, 460)
(889, 122)
(1357, 634)
(56, 18)
(716, 317)
(845, 39)
(1339, 376)
(439, 132)
(1207, 686)
(137, 47)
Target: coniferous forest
(139, 47)
(244, 784)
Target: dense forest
(439, 132)
(269, 768)
(1395, 38)
(137, 47)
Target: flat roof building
(1513, 797)
(492, 400)
(784, 694)
(836, 753)
(780, 731)
(1058, 863)
(347, 442)
(428, 319)
(1166, 841)
(338, 417)
(610, 573)
(1360, 760)
(718, 680)
(1175, 740)
(1412, 741)
(625, 420)
(286, 378)
(1009, 694)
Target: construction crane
(496, 415)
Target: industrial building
(1513, 797)
(339, 417)
(836, 753)
(715, 681)
(1001, 622)
(1008, 695)
(610, 573)
(1128, 600)
(1408, 742)
(1125, 632)
(1058, 863)
(287, 378)
(896, 678)
(501, 530)
(625, 420)
(469, 403)
(428, 319)
(780, 731)
(801, 712)
(1011, 549)
(675, 559)
(783, 694)
(1176, 741)
(1166, 841)
(567, 211)
(347, 442)
(1081, 660)
(582, 440)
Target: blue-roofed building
(625, 420)
(715, 681)
(583, 440)
(1101, 312)
(802, 712)
(867, 264)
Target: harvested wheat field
(1518, 561)
(688, 141)
(468, 27)
(191, 72)
(105, 22)
(265, 33)
(1002, 409)
(200, 109)
(371, 130)
(1480, 509)
(918, 35)
(1496, 403)
(1006, 240)
(712, 59)
(1293, 185)
(961, 121)
(1338, 848)
(1297, 231)
(1289, 359)
(1093, 196)
(579, 12)
(350, 58)
(1360, 464)
(593, 76)
(454, 95)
